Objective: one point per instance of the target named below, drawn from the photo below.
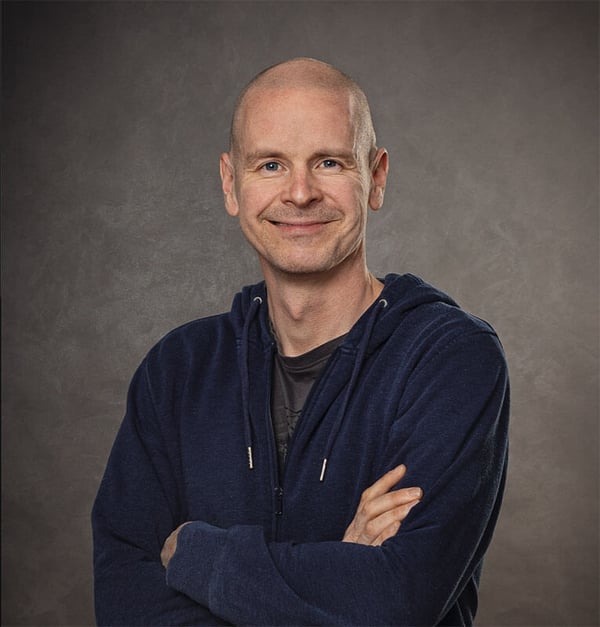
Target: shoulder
(201, 330)
(463, 350)
(425, 309)
(192, 344)
(427, 323)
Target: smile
(299, 228)
(276, 223)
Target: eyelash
(267, 169)
(332, 164)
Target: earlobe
(228, 184)
(376, 198)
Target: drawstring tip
(323, 469)
(250, 460)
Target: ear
(228, 184)
(379, 172)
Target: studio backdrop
(113, 232)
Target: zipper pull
(278, 501)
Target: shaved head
(305, 73)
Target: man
(263, 517)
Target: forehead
(297, 116)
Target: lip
(299, 228)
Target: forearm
(247, 586)
(130, 587)
(133, 591)
(241, 577)
(414, 578)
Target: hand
(170, 546)
(381, 510)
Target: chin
(307, 264)
(305, 267)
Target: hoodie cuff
(191, 569)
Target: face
(301, 182)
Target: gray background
(113, 233)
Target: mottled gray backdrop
(114, 114)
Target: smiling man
(331, 451)
(302, 174)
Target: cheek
(255, 197)
(351, 194)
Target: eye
(271, 166)
(329, 164)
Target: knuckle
(371, 528)
(367, 509)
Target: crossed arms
(378, 517)
(453, 441)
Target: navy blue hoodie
(417, 381)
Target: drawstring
(244, 366)
(360, 355)
(358, 362)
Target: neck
(307, 311)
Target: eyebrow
(263, 154)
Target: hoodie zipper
(278, 502)
(275, 479)
(279, 478)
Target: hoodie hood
(401, 292)
(250, 317)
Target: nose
(301, 188)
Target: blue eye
(271, 166)
(330, 163)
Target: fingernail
(415, 493)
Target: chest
(289, 502)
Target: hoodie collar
(401, 293)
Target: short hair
(304, 71)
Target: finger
(388, 501)
(386, 482)
(399, 497)
(170, 545)
(389, 532)
(377, 526)
(167, 551)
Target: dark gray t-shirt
(293, 378)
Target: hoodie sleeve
(136, 508)
(451, 432)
